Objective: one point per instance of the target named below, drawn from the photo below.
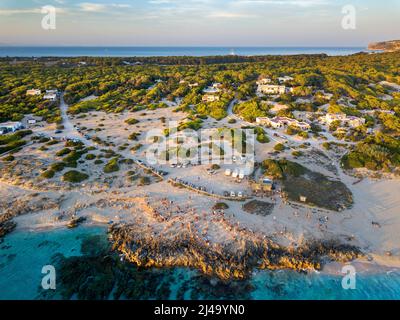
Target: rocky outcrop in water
(235, 260)
(29, 204)
(6, 227)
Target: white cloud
(229, 15)
(298, 3)
(9, 12)
(92, 7)
(97, 7)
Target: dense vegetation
(354, 81)
(302, 184)
(75, 176)
(13, 141)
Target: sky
(198, 22)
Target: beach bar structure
(7, 127)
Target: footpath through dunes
(215, 245)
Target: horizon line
(177, 46)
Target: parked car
(235, 174)
(233, 194)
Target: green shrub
(52, 142)
(8, 158)
(12, 145)
(133, 136)
(111, 166)
(48, 174)
(74, 176)
(90, 156)
(144, 181)
(326, 145)
(220, 206)
(297, 154)
(136, 147)
(132, 121)
(279, 147)
(58, 166)
(63, 152)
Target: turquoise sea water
(23, 254)
(169, 51)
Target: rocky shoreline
(28, 204)
(228, 260)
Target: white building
(264, 81)
(273, 89)
(285, 79)
(210, 98)
(51, 97)
(10, 127)
(33, 92)
(280, 122)
(355, 122)
(324, 95)
(212, 89)
(351, 121)
(217, 85)
(52, 91)
(304, 126)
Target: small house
(285, 79)
(210, 98)
(50, 97)
(264, 81)
(10, 127)
(33, 92)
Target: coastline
(165, 51)
(380, 262)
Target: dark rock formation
(234, 260)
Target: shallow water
(23, 254)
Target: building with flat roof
(285, 79)
(33, 92)
(7, 127)
(50, 96)
(280, 122)
(344, 119)
(264, 81)
(210, 98)
(273, 89)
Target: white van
(235, 174)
